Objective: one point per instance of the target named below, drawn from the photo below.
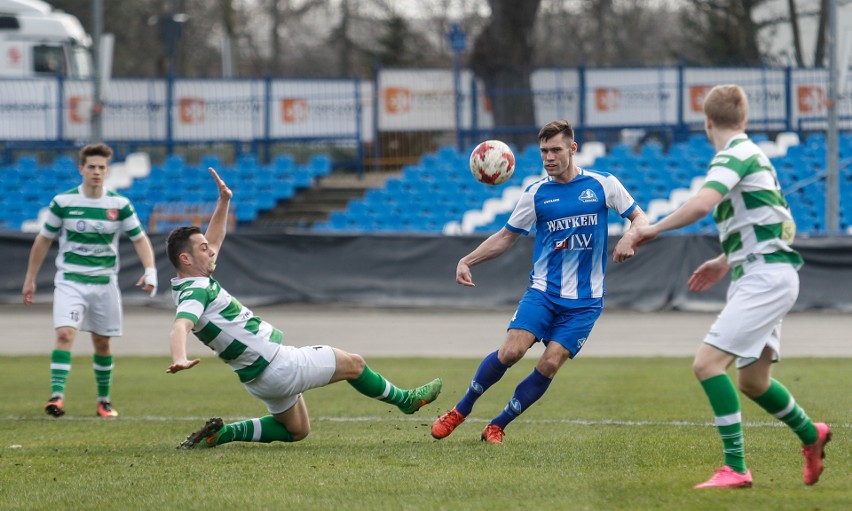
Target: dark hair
(178, 243)
(94, 150)
(554, 128)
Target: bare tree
(721, 32)
(822, 34)
(502, 58)
(797, 38)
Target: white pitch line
(573, 422)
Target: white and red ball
(492, 162)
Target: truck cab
(37, 41)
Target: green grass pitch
(610, 434)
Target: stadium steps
(331, 193)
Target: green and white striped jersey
(243, 340)
(753, 218)
(88, 231)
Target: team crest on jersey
(81, 226)
(588, 196)
(112, 214)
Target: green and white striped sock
(374, 385)
(778, 401)
(726, 408)
(103, 375)
(264, 430)
(60, 366)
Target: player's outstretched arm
(37, 254)
(494, 246)
(180, 329)
(626, 246)
(218, 226)
(148, 280)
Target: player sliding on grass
(756, 230)
(274, 373)
(569, 209)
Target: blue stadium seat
(283, 164)
(211, 160)
(27, 165)
(320, 165)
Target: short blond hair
(726, 106)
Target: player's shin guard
(726, 408)
(374, 385)
(489, 372)
(264, 430)
(778, 401)
(103, 375)
(527, 392)
(60, 366)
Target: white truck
(38, 41)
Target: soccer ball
(492, 162)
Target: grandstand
(435, 195)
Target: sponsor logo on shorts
(581, 341)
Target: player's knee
(509, 355)
(354, 365)
(65, 338)
(702, 369)
(752, 388)
(548, 368)
(358, 364)
(301, 433)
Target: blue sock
(527, 392)
(490, 371)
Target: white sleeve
(617, 197)
(523, 217)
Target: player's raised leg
(778, 401)
(356, 372)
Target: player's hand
(148, 281)
(181, 365)
(225, 193)
(632, 239)
(624, 249)
(29, 292)
(463, 275)
(708, 274)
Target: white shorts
(291, 372)
(751, 319)
(92, 308)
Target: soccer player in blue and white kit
(569, 210)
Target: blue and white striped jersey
(570, 255)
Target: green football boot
(422, 396)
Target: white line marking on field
(573, 422)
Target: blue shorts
(552, 319)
